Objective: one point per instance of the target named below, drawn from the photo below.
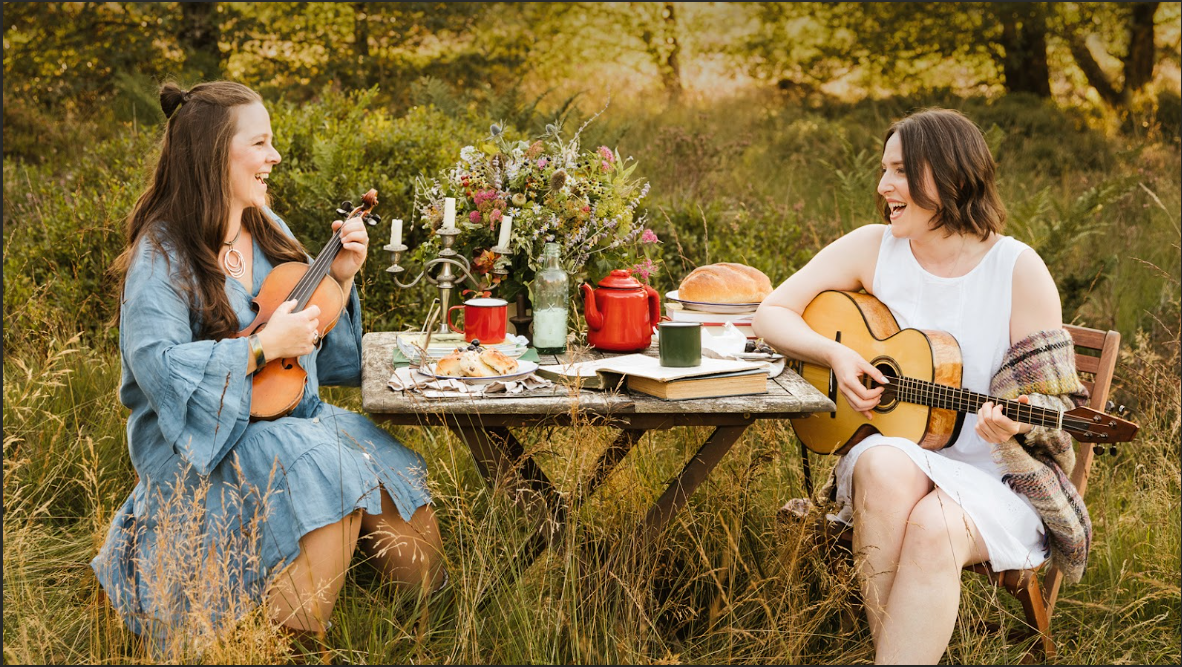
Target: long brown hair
(952, 147)
(186, 207)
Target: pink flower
(649, 237)
(606, 154)
(644, 269)
(474, 217)
(495, 216)
(606, 166)
(542, 162)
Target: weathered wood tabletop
(484, 423)
(788, 396)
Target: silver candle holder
(454, 270)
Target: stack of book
(712, 322)
(712, 378)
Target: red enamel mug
(484, 319)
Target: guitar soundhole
(889, 368)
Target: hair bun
(171, 97)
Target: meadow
(757, 179)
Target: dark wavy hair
(186, 206)
(952, 147)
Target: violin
(279, 385)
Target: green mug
(680, 344)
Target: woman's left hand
(995, 427)
(354, 244)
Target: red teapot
(620, 314)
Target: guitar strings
(961, 399)
(955, 398)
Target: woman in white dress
(942, 263)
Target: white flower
(469, 154)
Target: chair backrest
(1095, 358)
(1096, 352)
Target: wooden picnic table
(484, 424)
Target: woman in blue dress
(230, 512)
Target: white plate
(524, 368)
(758, 356)
(726, 308)
(444, 344)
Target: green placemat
(400, 360)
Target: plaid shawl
(1042, 366)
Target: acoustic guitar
(923, 401)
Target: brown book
(708, 386)
(711, 376)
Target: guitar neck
(931, 394)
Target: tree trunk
(363, 74)
(360, 31)
(671, 71)
(1138, 64)
(199, 39)
(1092, 70)
(1024, 42)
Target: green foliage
(757, 178)
(337, 149)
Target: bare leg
(407, 552)
(887, 486)
(303, 595)
(921, 611)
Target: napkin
(731, 343)
(406, 379)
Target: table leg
(692, 476)
(501, 458)
(498, 453)
(608, 460)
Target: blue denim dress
(222, 501)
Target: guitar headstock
(1088, 425)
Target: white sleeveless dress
(975, 309)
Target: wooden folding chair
(1095, 359)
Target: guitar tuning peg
(373, 219)
(1109, 406)
(1097, 450)
(347, 205)
(1112, 450)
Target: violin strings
(307, 284)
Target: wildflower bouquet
(583, 200)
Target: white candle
(396, 232)
(449, 213)
(506, 226)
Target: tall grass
(753, 181)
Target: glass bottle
(550, 301)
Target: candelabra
(454, 269)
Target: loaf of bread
(725, 282)
(481, 362)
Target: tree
(1023, 47)
(1135, 48)
(198, 37)
(660, 40)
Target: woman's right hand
(849, 367)
(289, 334)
